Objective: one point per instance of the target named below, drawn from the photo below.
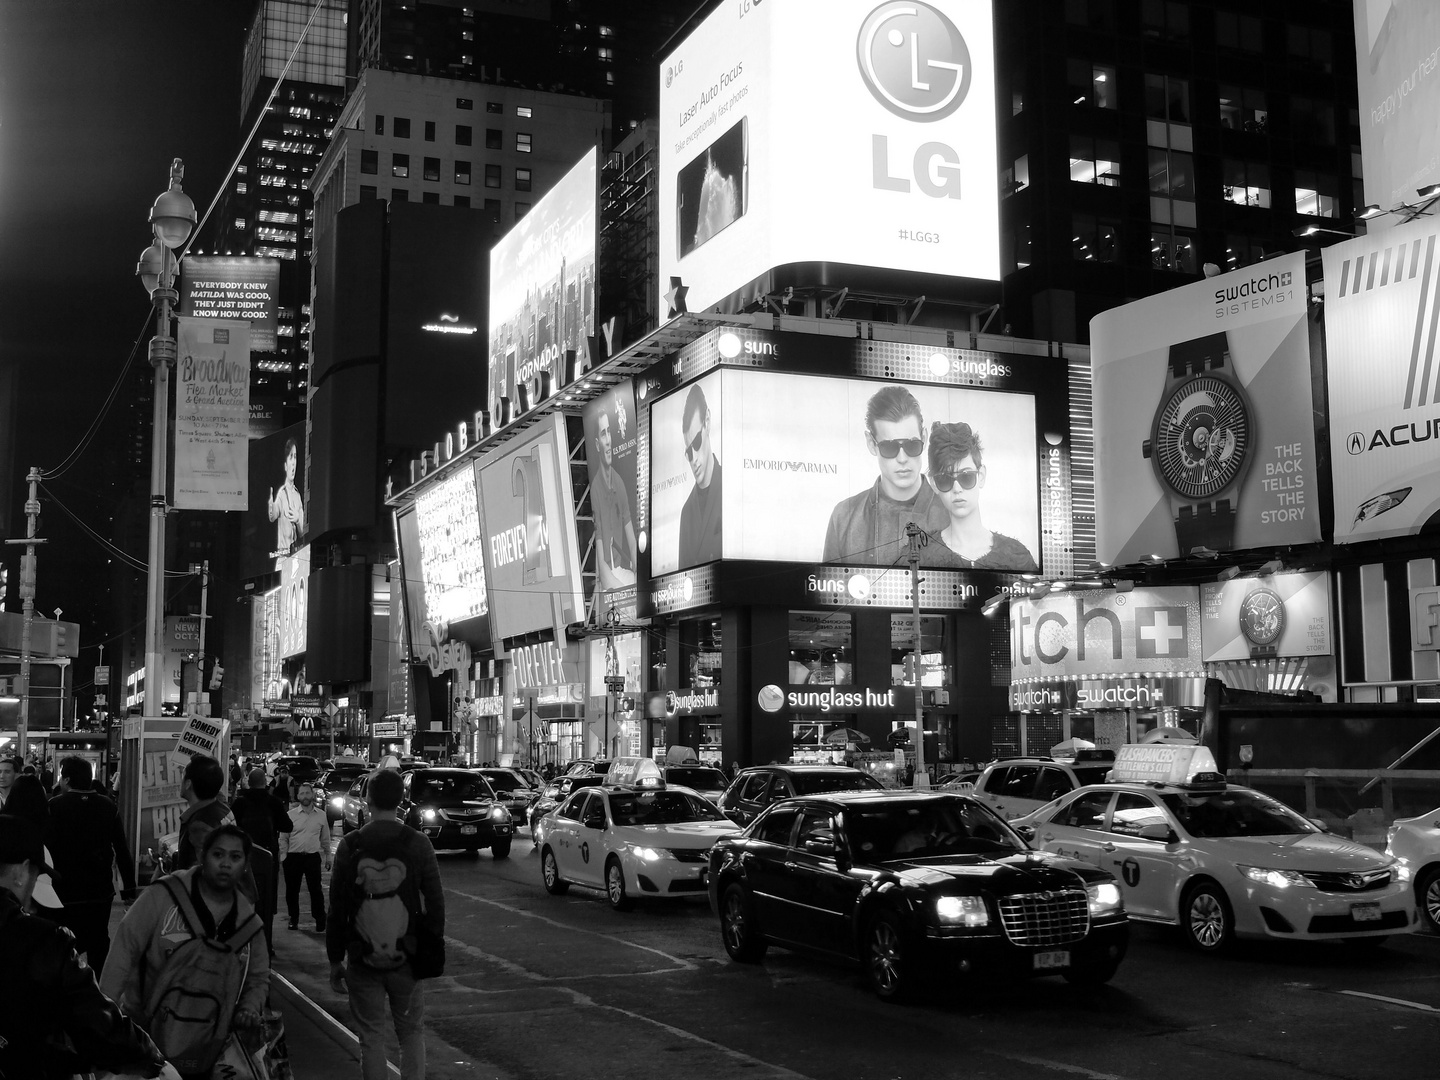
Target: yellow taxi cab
(1219, 860)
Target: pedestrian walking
(386, 929)
(27, 800)
(192, 936)
(306, 845)
(282, 786)
(9, 769)
(54, 1021)
(266, 820)
(88, 842)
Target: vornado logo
(914, 61)
(1263, 291)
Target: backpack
(192, 1002)
(388, 927)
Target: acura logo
(1355, 443)
(914, 61)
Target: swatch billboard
(1204, 430)
(779, 120)
(1257, 618)
(771, 466)
(1381, 313)
(532, 558)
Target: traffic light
(217, 676)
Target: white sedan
(1223, 861)
(1416, 843)
(630, 842)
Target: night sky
(96, 98)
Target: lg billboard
(836, 131)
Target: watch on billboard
(903, 152)
(1257, 618)
(830, 470)
(1204, 432)
(1384, 381)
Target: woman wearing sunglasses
(957, 472)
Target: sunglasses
(890, 448)
(693, 447)
(966, 478)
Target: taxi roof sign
(1162, 763)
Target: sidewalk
(321, 1048)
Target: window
(1053, 783)
(523, 111)
(1172, 173)
(402, 127)
(1017, 177)
(400, 165)
(1017, 781)
(432, 169)
(399, 195)
(1095, 14)
(429, 130)
(606, 31)
(494, 139)
(1242, 251)
(379, 124)
(1312, 121)
(1094, 239)
(522, 179)
(370, 162)
(1243, 109)
(777, 826)
(1133, 812)
(462, 200)
(462, 172)
(1165, 19)
(1316, 195)
(464, 103)
(430, 196)
(1017, 92)
(492, 209)
(1087, 811)
(821, 649)
(1238, 31)
(1019, 246)
(1171, 250)
(241, 187)
(239, 223)
(369, 191)
(1091, 84)
(573, 806)
(492, 176)
(1310, 44)
(467, 35)
(494, 107)
(932, 650)
(521, 209)
(1094, 161)
(1247, 183)
(462, 134)
(1167, 98)
(522, 142)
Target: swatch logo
(914, 61)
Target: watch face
(1262, 616)
(1202, 434)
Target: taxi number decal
(1130, 871)
(585, 852)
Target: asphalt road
(550, 987)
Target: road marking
(1421, 1006)
(1058, 1066)
(679, 963)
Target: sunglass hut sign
(1102, 632)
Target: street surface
(538, 986)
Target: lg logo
(914, 61)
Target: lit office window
(522, 142)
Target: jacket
(261, 815)
(48, 997)
(195, 824)
(151, 930)
(858, 530)
(384, 842)
(85, 836)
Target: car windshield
(506, 782)
(696, 777)
(450, 786)
(1092, 774)
(814, 783)
(1234, 813)
(925, 830)
(660, 808)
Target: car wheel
(1427, 897)
(500, 849)
(888, 958)
(1206, 919)
(615, 885)
(550, 872)
(1096, 973)
(738, 928)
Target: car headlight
(965, 910)
(338, 800)
(428, 815)
(499, 813)
(1402, 871)
(1105, 898)
(650, 854)
(1276, 879)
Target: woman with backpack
(190, 992)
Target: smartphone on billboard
(712, 192)
(1379, 20)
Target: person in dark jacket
(200, 786)
(264, 818)
(87, 840)
(54, 1021)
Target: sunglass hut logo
(1263, 291)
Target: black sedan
(332, 786)
(455, 808)
(756, 788)
(913, 885)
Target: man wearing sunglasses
(957, 470)
(870, 527)
(700, 516)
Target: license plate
(1365, 912)
(1050, 961)
(468, 830)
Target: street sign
(102, 676)
(331, 709)
(614, 683)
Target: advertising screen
(1204, 433)
(1395, 44)
(827, 470)
(452, 569)
(882, 115)
(1255, 618)
(212, 414)
(542, 286)
(294, 601)
(532, 559)
(1102, 632)
(233, 287)
(407, 539)
(612, 453)
(275, 521)
(1380, 329)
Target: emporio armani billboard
(1381, 313)
(779, 120)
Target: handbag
(277, 1054)
(238, 1061)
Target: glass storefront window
(821, 646)
(933, 650)
(700, 645)
(808, 742)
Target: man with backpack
(386, 929)
(188, 962)
(200, 787)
